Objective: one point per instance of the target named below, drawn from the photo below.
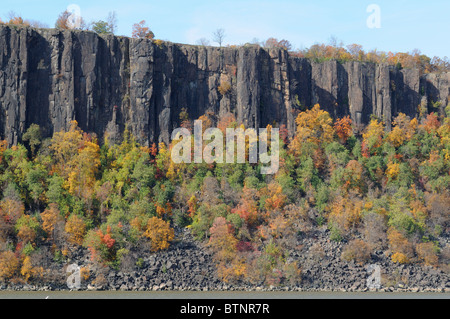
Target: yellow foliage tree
(399, 258)
(403, 130)
(402, 249)
(65, 148)
(76, 229)
(50, 217)
(315, 126)
(373, 135)
(160, 233)
(28, 271)
(9, 265)
(77, 159)
(393, 170)
(85, 164)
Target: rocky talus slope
(188, 266)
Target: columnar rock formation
(107, 83)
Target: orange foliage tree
(248, 207)
(141, 30)
(343, 128)
(231, 266)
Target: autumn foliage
(141, 30)
(160, 233)
(373, 189)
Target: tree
(373, 137)
(50, 218)
(101, 27)
(106, 27)
(356, 51)
(356, 250)
(101, 245)
(203, 42)
(345, 215)
(63, 21)
(343, 128)
(402, 250)
(76, 229)
(428, 253)
(219, 36)
(374, 229)
(314, 128)
(160, 233)
(27, 228)
(112, 21)
(34, 137)
(141, 30)
(272, 43)
(15, 19)
(9, 265)
(11, 210)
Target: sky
(395, 25)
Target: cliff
(107, 83)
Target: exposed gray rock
(51, 77)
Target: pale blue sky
(405, 24)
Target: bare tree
(38, 24)
(112, 21)
(218, 36)
(203, 42)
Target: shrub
(357, 250)
(224, 87)
(400, 258)
(374, 229)
(101, 245)
(428, 252)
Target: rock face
(107, 83)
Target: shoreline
(383, 290)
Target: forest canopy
(378, 190)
